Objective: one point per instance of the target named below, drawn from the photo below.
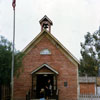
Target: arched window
(45, 52)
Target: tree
(90, 51)
(6, 61)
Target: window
(45, 52)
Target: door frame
(34, 82)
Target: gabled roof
(47, 66)
(46, 18)
(65, 51)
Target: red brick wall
(87, 88)
(67, 71)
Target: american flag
(14, 4)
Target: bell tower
(46, 23)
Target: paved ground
(39, 99)
(89, 98)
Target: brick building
(46, 58)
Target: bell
(45, 26)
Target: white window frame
(45, 52)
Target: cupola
(46, 23)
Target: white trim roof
(44, 65)
(43, 32)
(45, 17)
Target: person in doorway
(48, 89)
(42, 94)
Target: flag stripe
(14, 3)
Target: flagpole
(13, 49)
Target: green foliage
(6, 61)
(90, 51)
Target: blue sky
(72, 19)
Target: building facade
(47, 59)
